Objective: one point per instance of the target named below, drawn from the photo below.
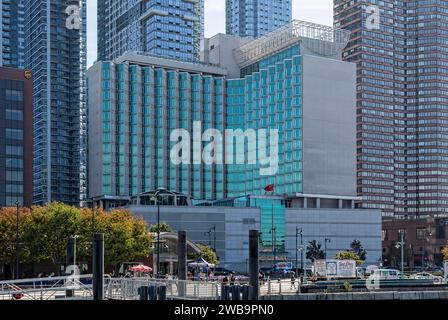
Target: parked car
(220, 271)
(386, 274)
(427, 276)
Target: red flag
(269, 188)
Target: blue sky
(319, 11)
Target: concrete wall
(342, 226)
(232, 228)
(329, 127)
(95, 130)
(219, 50)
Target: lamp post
(274, 249)
(156, 199)
(401, 245)
(299, 232)
(17, 240)
(329, 241)
(209, 232)
(93, 217)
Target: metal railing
(128, 289)
(68, 287)
(287, 287)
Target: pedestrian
(232, 279)
(225, 280)
(293, 282)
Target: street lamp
(17, 239)
(156, 199)
(299, 232)
(329, 241)
(426, 239)
(209, 232)
(401, 245)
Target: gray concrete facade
(329, 126)
(232, 228)
(341, 226)
(233, 224)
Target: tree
(207, 254)
(358, 249)
(445, 253)
(164, 227)
(126, 237)
(8, 230)
(314, 251)
(48, 230)
(349, 255)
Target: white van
(387, 274)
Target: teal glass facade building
(139, 108)
(268, 96)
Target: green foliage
(45, 232)
(8, 230)
(358, 249)
(445, 253)
(207, 254)
(348, 287)
(348, 255)
(314, 251)
(164, 227)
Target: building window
(16, 115)
(14, 176)
(14, 95)
(400, 232)
(14, 151)
(421, 233)
(14, 134)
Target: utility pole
(17, 240)
(274, 249)
(329, 241)
(298, 232)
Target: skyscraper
(255, 18)
(16, 137)
(400, 48)
(55, 37)
(171, 29)
(11, 33)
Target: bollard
(98, 266)
(245, 292)
(152, 293)
(71, 253)
(279, 286)
(254, 265)
(225, 292)
(182, 262)
(162, 292)
(143, 293)
(235, 292)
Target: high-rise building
(299, 87)
(16, 137)
(135, 103)
(400, 48)
(55, 37)
(255, 18)
(12, 36)
(171, 29)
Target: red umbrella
(140, 268)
